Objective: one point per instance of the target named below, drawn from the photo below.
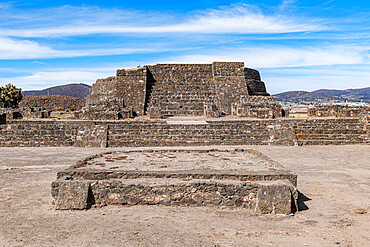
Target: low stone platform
(234, 178)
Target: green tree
(10, 96)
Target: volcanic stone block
(70, 194)
(275, 198)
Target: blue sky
(296, 44)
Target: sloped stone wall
(254, 83)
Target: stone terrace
(235, 178)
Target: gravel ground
(334, 182)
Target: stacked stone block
(174, 90)
(230, 84)
(254, 83)
(256, 107)
(338, 111)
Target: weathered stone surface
(70, 194)
(50, 102)
(338, 111)
(276, 198)
(256, 107)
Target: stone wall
(50, 102)
(132, 87)
(112, 95)
(229, 83)
(160, 133)
(254, 83)
(256, 107)
(38, 133)
(338, 111)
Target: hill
(325, 95)
(72, 90)
(348, 94)
(302, 96)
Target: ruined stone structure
(234, 178)
(338, 111)
(141, 133)
(181, 90)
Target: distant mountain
(302, 96)
(72, 90)
(348, 94)
(325, 95)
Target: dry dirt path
(335, 181)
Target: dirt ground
(334, 182)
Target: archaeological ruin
(175, 105)
(222, 103)
(220, 88)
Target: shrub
(10, 96)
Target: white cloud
(273, 57)
(25, 49)
(43, 79)
(240, 19)
(286, 4)
(312, 79)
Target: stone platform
(234, 178)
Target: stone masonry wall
(338, 111)
(254, 83)
(229, 83)
(159, 133)
(112, 95)
(256, 107)
(131, 85)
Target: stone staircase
(180, 90)
(180, 98)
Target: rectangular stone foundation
(232, 178)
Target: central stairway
(181, 94)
